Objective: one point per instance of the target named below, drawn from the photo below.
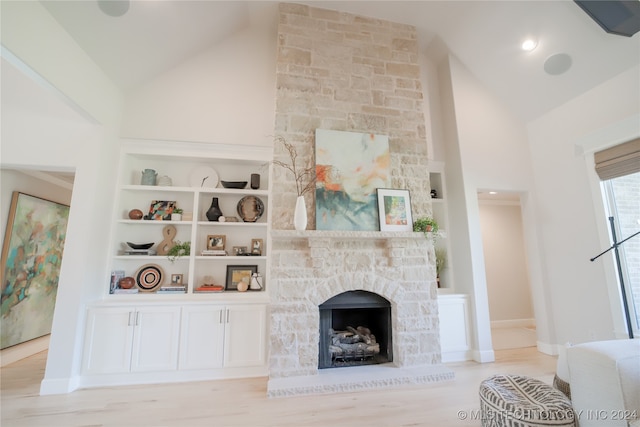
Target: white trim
(484, 356)
(59, 385)
(513, 323)
(36, 77)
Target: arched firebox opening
(355, 329)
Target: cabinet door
(202, 337)
(155, 341)
(108, 337)
(245, 336)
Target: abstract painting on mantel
(350, 166)
(31, 259)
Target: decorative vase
(148, 177)
(300, 214)
(214, 211)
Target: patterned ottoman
(519, 401)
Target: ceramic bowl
(139, 245)
(234, 184)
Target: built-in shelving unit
(183, 170)
(168, 337)
(441, 215)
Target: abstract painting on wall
(31, 258)
(350, 166)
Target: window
(622, 196)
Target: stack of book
(172, 289)
(210, 288)
(126, 291)
(214, 252)
(140, 252)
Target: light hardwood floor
(244, 403)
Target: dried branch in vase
(305, 177)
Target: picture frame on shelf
(161, 210)
(216, 242)
(394, 209)
(257, 246)
(237, 274)
(239, 250)
(176, 279)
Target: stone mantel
(345, 235)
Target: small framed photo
(239, 250)
(394, 207)
(237, 274)
(256, 246)
(216, 241)
(176, 279)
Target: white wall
(505, 262)
(225, 95)
(572, 229)
(49, 60)
(486, 148)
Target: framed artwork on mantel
(394, 207)
(350, 166)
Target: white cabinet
(219, 336)
(131, 339)
(453, 313)
(184, 163)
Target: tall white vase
(300, 214)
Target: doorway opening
(507, 276)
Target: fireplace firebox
(355, 329)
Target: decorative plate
(203, 177)
(250, 208)
(149, 277)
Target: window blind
(620, 160)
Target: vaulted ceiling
(154, 36)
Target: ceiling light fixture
(529, 44)
(493, 192)
(113, 8)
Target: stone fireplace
(309, 268)
(339, 71)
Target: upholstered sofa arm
(605, 382)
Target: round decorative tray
(250, 208)
(149, 277)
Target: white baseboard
(24, 350)
(485, 356)
(546, 348)
(513, 323)
(58, 386)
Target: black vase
(214, 211)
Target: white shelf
(178, 161)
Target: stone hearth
(310, 267)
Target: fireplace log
(353, 343)
(362, 332)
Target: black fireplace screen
(355, 329)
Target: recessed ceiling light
(493, 192)
(529, 44)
